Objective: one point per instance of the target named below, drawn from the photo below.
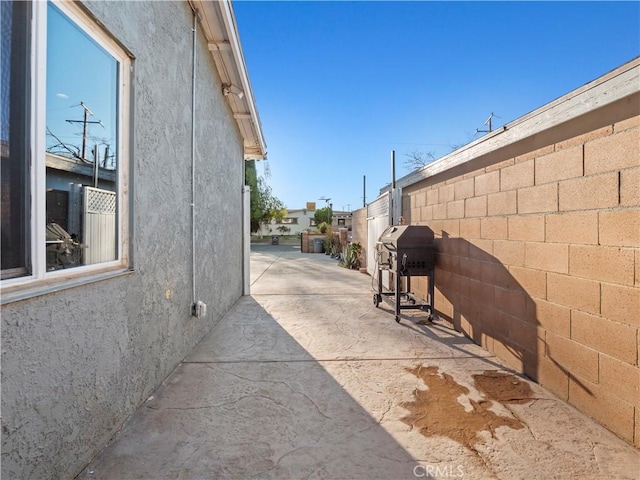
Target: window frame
(40, 281)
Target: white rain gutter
(220, 29)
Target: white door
(377, 222)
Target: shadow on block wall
(481, 298)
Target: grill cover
(407, 249)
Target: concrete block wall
(539, 262)
(306, 244)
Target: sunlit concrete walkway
(307, 379)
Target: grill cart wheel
(376, 299)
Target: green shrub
(352, 256)
(332, 243)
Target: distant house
(107, 266)
(296, 222)
(341, 220)
(302, 220)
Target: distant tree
(470, 137)
(264, 205)
(323, 215)
(417, 159)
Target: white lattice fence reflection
(99, 225)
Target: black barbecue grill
(406, 251)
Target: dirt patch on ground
(436, 411)
(503, 387)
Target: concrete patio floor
(307, 379)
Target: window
(341, 222)
(290, 220)
(64, 145)
(312, 222)
(14, 155)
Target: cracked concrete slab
(307, 379)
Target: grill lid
(407, 236)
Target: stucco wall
(538, 258)
(77, 363)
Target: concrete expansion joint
(340, 360)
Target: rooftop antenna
(488, 123)
(85, 122)
(364, 191)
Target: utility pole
(85, 121)
(393, 187)
(364, 191)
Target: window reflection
(14, 138)
(81, 144)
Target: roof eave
(219, 27)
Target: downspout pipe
(198, 309)
(393, 188)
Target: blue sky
(78, 70)
(339, 85)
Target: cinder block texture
(580, 140)
(622, 379)
(589, 193)
(526, 227)
(576, 293)
(509, 253)
(620, 228)
(487, 183)
(630, 187)
(553, 377)
(573, 356)
(572, 228)
(551, 257)
(463, 189)
(546, 274)
(611, 338)
(612, 153)
(476, 207)
(494, 228)
(502, 203)
(543, 198)
(621, 303)
(607, 264)
(598, 402)
(517, 176)
(455, 209)
(553, 317)
(560, 165)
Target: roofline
(223, 40)
(609, 88)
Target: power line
(85, 122)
